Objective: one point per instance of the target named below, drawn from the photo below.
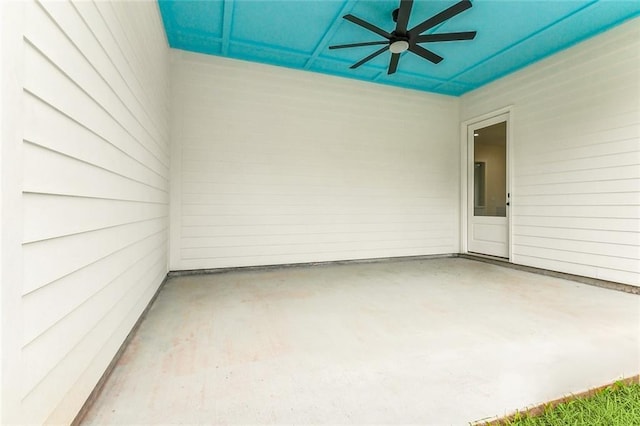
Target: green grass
(616, 405)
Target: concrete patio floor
(436, 341)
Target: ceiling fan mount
(394, 15)
(403, 39)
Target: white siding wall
(576, 162)
(11, 24)
(94, 222)
(273, 166)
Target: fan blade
(368, 43)
(393, 65)
(426, 54)
(370, 57)
(403, 16)
(365, 24)
(440, 17)
(428, 38)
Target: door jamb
(464, 175)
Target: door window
(490, 171)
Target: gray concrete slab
(440, 341)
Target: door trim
(464, 175)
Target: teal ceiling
(511, 34)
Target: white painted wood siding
(95, 191)
(11, 67)
(276, 166)
(576, 162)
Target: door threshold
(473, 255)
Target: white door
(488, 202)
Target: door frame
(466, 180)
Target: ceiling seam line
(337, 20)
(253, 44)
(379, 75)
(513, 45)
(227, 22)
(200, 35)
(553, 52)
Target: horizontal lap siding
(274, 166)
(576, 156)
(95, 191)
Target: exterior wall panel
(94, 192)
(576, 162)
(274, 166)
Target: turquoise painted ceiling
(511, 34)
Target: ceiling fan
(402, 39)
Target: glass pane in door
(490, 171)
